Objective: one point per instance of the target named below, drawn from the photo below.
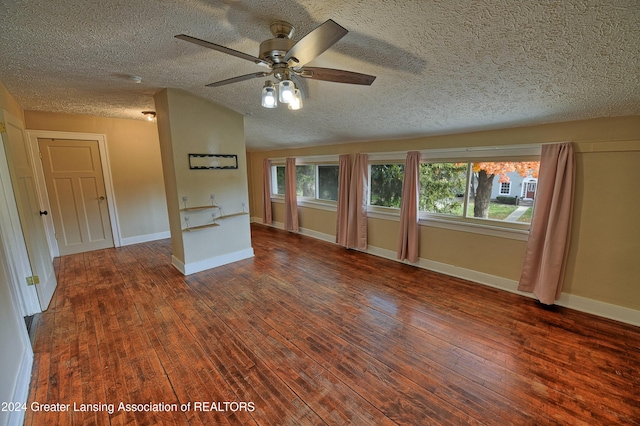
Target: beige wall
(191, 125)
(7, 102)
(605, 243)
(136, 167)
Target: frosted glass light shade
(286, 90)
(269, 97)
(296, 102)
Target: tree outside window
(386, 185)
(306, 181)
(328, 182)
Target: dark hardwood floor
(310, 333)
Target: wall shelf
(212, 222)
(199, 227)
(192, 209)
(225, 216)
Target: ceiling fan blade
(223, 49)
(238, 79)
(338, 76)
(314, 43)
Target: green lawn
(496, 211)
(526, 217)
(501, 211)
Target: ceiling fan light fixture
(296, 103)
(269, 97)
(286, 90)
(151, 115)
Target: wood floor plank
(310, 333)
(334, 402)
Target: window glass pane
(277, 180)
(386, 184)
(490, 180)
(505, 188)
(328, 182)
(306, 181)
(442, 187)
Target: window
(277, 180)
(328, 182)
(476, 190)
(313, 181)
(306, 181)
(442, 187)
(385, 187)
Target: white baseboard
(145, 238)
(214, 262)
(303, 231)
(578, 303)
(178, 264)
(602, 309)
(21, 394)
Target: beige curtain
(357, 226)
(266, 192)
(546, 254)
(409, 228)
(344, 177)
(290, 196)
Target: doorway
(76, 191)
(530, 189)
(109, 203)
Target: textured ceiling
(441, 66)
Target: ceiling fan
(287, 59)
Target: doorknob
(43, 213)
(101, 198)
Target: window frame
(317, 166)
(510, 230)
(502, 185)
(312, 202)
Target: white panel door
(75, 186)
(23, 182)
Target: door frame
(41, 186)
(525, 185)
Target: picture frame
(213, 161)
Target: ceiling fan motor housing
(274, 50)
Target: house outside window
(482, 194)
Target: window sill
(477, 228)
(474, 227)
(309, 203)
(318, 204)
(384, 213)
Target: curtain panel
(344, 177)
(267, 216)
(546, 253)
(409, 227)
(357, 224)
(290, 196)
